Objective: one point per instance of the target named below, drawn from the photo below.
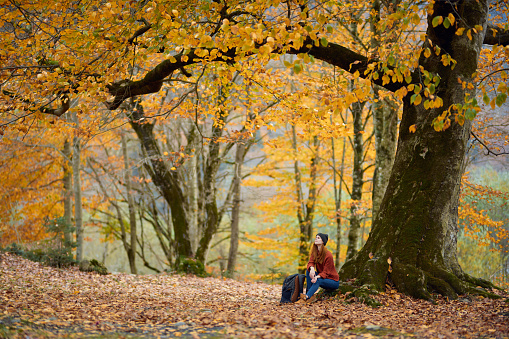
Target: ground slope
(38, 301)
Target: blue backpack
(292, 288)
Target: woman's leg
(328, 284)
(323, 283)
(308, 281)
(310, 287)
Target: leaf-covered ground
(44, 302)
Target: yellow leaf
(469, 34)
(460, 31)
(389, 260)
(447, 124)
(451, 18)
(418, 99)
(412, 128)
(427, 52)
(173, 168)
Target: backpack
(292, 288)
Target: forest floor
(45, 302)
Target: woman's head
(321, 239)
(318, 249)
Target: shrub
(192, 266)
(55, 251)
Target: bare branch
(488, 150)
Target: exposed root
(441, 287)
(419, 283)
(410, 280)
(480, 282)
(356, 293)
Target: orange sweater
(326, 270)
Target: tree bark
(385, 121)
(303, 235)
(67, 192)
(78, 213)
(234, 237)
(131, 249)
(164, 179)
(212, 213)
(415, 229)
(193, 194)
(358, 179)
(313, 192)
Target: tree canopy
(102, 59)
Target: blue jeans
(311, 288)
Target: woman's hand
(312, 273)
(315, 278)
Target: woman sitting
(321, 271)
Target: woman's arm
(311, 267)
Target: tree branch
(494, 36)
(489, 151)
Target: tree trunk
(67, 192)
(313, 192)
(303, 239)
(338, 192)
(78, 213)
(131, 250)
(305, 210)
(212, 214)
(385, 120)
(165, 180)
(193, 195)
(358, 180)
(234, 237)
(417, 222)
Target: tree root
(419, 283)
(356, 293)
(480, 282)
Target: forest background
(253, 157)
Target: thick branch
(153, 80)
(333, 54)
(494, 36)
(64, 98)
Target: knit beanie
(324, 237)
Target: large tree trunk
(417, 222)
